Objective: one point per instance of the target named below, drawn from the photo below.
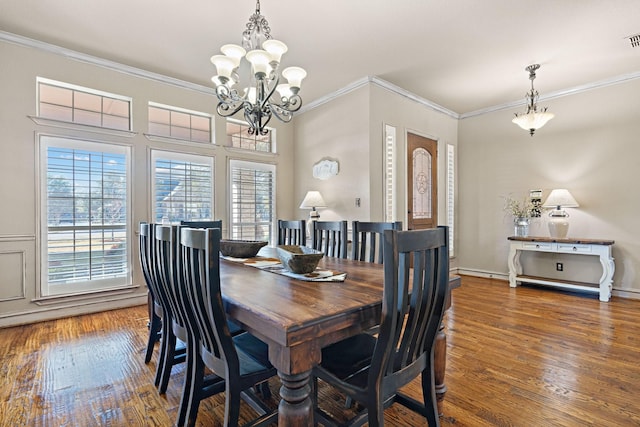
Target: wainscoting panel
(13, 268)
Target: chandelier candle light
(533, 119)
(259, 101)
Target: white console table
(599, 248)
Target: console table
(599, 248)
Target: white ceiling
(465, 55)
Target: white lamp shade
(275, 48)
(532, 120)
(234, 52)
(294, 76)
(560, 198)
(284, 90)
(224, 65)
(259, 60)
(313, 199)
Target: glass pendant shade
(533, 121)
(235, 52)
(275, 48)
(259, 60)
(224, 65)
(294, 76)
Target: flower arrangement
(519, 209)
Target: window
(238, 137)
(75, 104)
(174, 122)
(86, 207)
(182, 187)
(252, 200)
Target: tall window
(174, 122)
(76, 104)
(85, 229)
(182, 187)
(238, 137)
(252, 200)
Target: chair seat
(252, 353)
(347, 357)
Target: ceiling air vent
(635, 40)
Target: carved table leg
(439, 367)
(295, 407)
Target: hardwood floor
(516, 357)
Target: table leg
(296, 408)
(439, 367)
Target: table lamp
(558, 222)
(313, 200)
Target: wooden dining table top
(298, 318)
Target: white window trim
(257, 165)
(89, 287)
(185, 157)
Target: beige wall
(591, 147)
(19, 240)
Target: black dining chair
(238, 363)
(330, 237)
(367, 238)
(292, 232)
(175, 335)
(371, 370)
(145, 238)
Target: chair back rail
(292, 232)
(367, 238)
(330, 237)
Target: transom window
(75, 104)
(252, 200)
(238, 137)
(182, 187)
(174, 122)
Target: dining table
(297, 318)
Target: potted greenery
(521, 212)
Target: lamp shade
(312, 200)
(532, 120)
(560, 198)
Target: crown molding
(557, 94)
(101, 62)
(137, 72)
(383, 84)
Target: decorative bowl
(299, 259)
(241, 248)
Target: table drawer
(576, 248)
(537, 246)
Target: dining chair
(371, 369)
(292, 232)
(145, 238)
(237, 363)
(330, 237)
(367, 238)
(175, 335)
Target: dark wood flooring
(516, 357)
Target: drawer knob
(575, 249)
(537, 246)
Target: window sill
(83, 296)
(252, 152)
(76, 126)
(172, 140)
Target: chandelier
(265, 97)
(533, 119)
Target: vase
(521, 227)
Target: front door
(422, 177)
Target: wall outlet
(357, 202)
(559, 266)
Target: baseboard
(48, 313)
(483, 273)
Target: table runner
(275, 266)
